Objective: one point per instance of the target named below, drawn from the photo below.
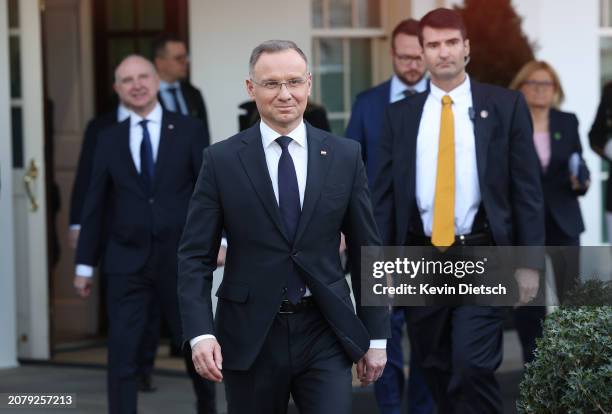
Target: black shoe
(145, 383)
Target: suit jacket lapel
(319, 160)
(187, 96)
(253, 160)
(555, 139)
(483, 119)
(166, 134)
(405, 146)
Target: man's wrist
(84, 270)
(378, 344)
(197, 339)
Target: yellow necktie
(443, 231)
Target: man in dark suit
(457, 165)
(79, 192)
(144, 171)
(365, 127)
(283, 191)
(408, 79)
(176, 93)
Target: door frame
(30, 255)
(8, 334)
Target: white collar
(123, 112)
(268, 135)
(165, 85)
(154, 116)
(460, 92)
(398, 87)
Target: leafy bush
(572, 369)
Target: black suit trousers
(301, 357)
(129, 300)
(459, 348)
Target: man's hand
(576, 186)
(82, 285)
(370, 367)
(207, 360)
(528, 283)
(221, 256)
(73, 237)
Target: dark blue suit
(262, 362)
(79, 192)
(143, 229)
(563, 223)
(366, 123)
(365, 126)
(459, 348)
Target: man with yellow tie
(457, 165)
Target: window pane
(361, 70)
(317, 13)
(340, 13)
(15, 64)
(13, 12)
(118, 48)
(145, 46)
(17, 132)
(338, 126)
(120, 14)
(606, 60)
(151, 14)
(332, 74)
(368, 13)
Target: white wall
(566, 36)
(566, 33)
(8, 330)
(222, 35)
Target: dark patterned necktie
(290, 209)
(147, 164)
(409, 92)
(177, 105)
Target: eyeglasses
(271, 85)
(407, 59)
(539, 84)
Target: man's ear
(249, 87)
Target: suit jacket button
(151, 200)
(294, 254)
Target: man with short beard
(365, 127)
(457, 166)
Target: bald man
(145, 169)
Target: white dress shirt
(154, 127)
(298, 149)
(398, 87)
(467, 190)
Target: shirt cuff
(224, 242)
(75, 227)
(378, 343)
(84, 270)
(608, 149)
(199, 338)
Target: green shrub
(572, 369)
